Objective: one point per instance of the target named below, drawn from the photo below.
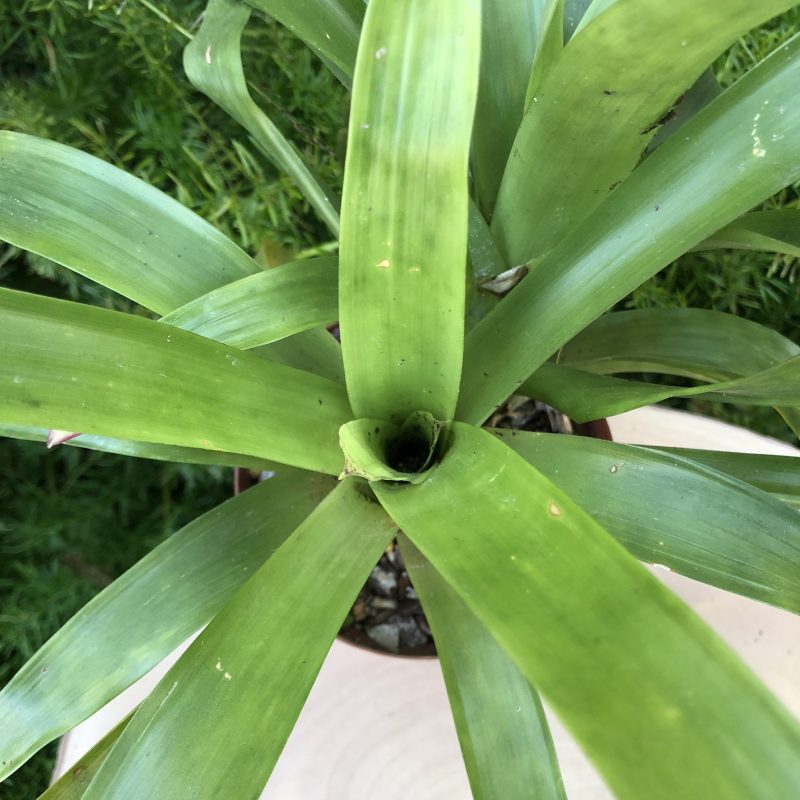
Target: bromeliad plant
(589, 165)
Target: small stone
(359, 610)
(410, 633)
(383, 581)
(384, 603)
(387, 635)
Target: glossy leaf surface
(404, 210)
(595, 110)
(501, 725)
(639, 680)
(263, 308)
(86, 369)
(147, 612)
(691, 186)
(110, 226)
(253, 666)
(684, 515)
(213, 63)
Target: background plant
(727, 300)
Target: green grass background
(106, 77)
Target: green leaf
(776, 231)
(381, 451)
(690, 342)
(253, 666)
(79, 368)
(584, 396)
(639, 680)
(213, 64)
(693, 343)
(109, 226)
(265, 307)
(145, 614)
(313, 350)
(692, 185)
(501, 725)
(670, 510)
(331, 28)
(404, 210)
(73, 783)
(159, 452)
(778, 475)
(597, 109)
(512, 33)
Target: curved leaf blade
(266, 307)
(86, 369)
(169, 594)
(512, 33)
(109, 226)
(331, 28)
(690, 342)
(314, 350)
(775, 231)
(213, 64)
(640, 681)
(253, 665)
(501, 725)
(73, 783)
(404, 210)
(670, 510)
(689, 187)
(778, 475)
(585, 396)
(599, 112)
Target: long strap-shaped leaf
(585, 396)
(778, 475)
(596, 109)
(216, 724)
(73, 783)
(213, 63)
(314, 350)
(329, 27)
(776, 231)
(110, 226)
(86, 369)
(688, 188)
(265, 307)
(150, 610)
(669, 510)
(692, 342)
(501, 725)
(512, 33)
(404, 211)
(660, 705)
(158, 452)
